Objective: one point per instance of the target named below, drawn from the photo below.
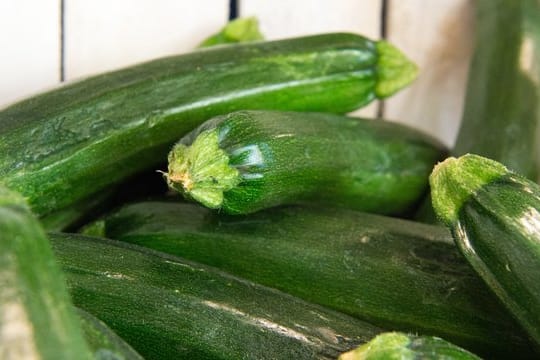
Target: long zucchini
(168, 308)
(37, 320)
(402, 346)
(250, 160)
(397, 274)
(65, 145)
(501, 118)
(494, 216)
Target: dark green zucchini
(168, 308)
(65, 145)
(502, 106)
(37, 320)
(398, 274)
(402, 346)
(103, 342)
(250, 160)
(494, 216)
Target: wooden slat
(30, 44)
(304, 17)
(437, 35)
(104, 35)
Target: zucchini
(502, 106)
(494, 216)
(250, 160)
(393, 273)
(103, 342)
(168, 308)
(37, 320)
(63, 146)
(402, 346)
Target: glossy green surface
(293, 157)
(65, 145)
(169, 308)
(497, 228)
(398, 274)
(401, 346)
(103, 342)
(37, 320)
(502, 105)
(498, 231)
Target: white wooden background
(45, 42)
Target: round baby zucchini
(401, 346)
(37, 319)
(494, 216)
(250, 160)
(65, 145)
(169, 308)
(393, 273)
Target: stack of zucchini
(291, 237)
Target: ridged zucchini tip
(396, 345)
(201, 171)
(394, 71)
(455, 179)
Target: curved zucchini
(168, 308)
(65, 145)
(250, 160)
(501, 117)
(407, 347)
(494, 216)
(393, 273)
(103, 342)
(37, 320)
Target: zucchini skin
(394, 345)
(300, 157)
(37, 320)
(64, 145)
(502, 105)
(103, 342)
(497, 229)
(169, 308)
(338, 259)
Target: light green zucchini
(251, 160)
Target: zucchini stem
(454, 180)
(202, 171)
(394, 70)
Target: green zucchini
(407, 347)
(37, 320)
(502, 106)
(168, 308)
(393, 273)
(103, 342)
(65, 145)
(250, 160)
(494, 216)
